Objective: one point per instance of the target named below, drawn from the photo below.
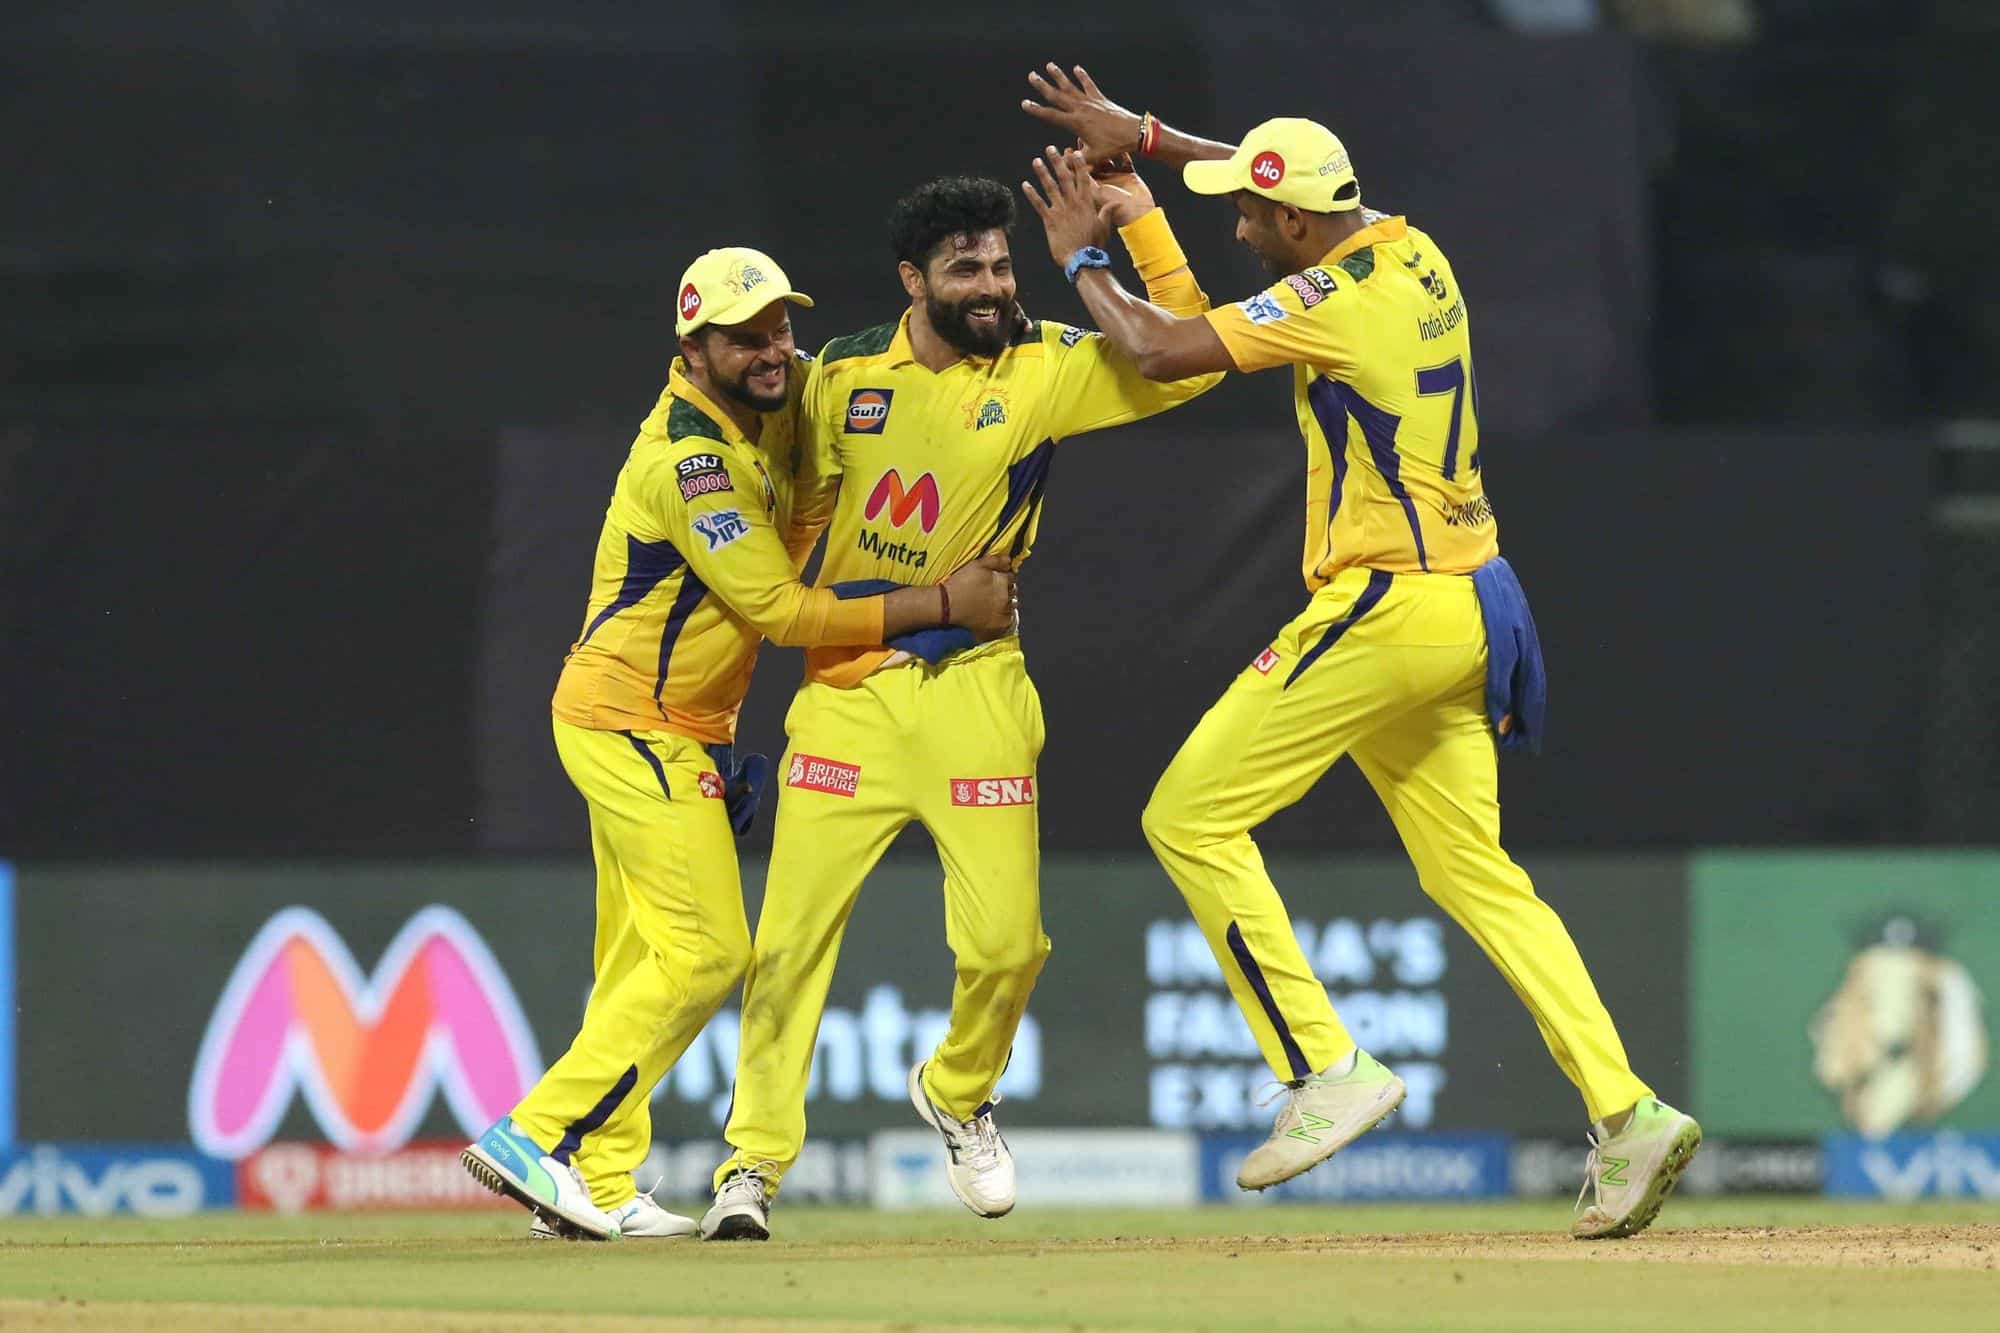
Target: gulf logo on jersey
(366, 1053)
(868, 411)
(920, 499)
(992, 791)
(1267, 169)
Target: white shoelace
(647, 1194)
(978, 1139)
(1591, 1185)
(1273, 1090)
(985, 1153)
(751, 1180)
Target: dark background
(329, 324)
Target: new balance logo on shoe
(1309, 1128)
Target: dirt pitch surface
(1713, 1265)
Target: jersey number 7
(1452, 377)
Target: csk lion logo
(1903, 1037)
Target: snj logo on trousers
(366, 1053)
(813, 773)
(992, 791)
(920, 499)
(868, 411)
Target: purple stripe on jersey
(1332, 418)
(647, 565)
(593, 1119)
(691, 593)
(1027, 479)
(1379, 429)
(1255, 975)
(646, 751)
(1378, 583)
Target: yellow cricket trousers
(1390, 669)
(953, 746)
(672, 942)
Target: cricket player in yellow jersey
(1416, 653)
(941, 428)
(697, 564)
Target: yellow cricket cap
(1296, 162)
(728, 286)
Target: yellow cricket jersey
(937, 468)
(697, 564)
(1381, 352)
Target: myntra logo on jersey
(813, 773)
(921, 499)
(992, 791)
(366, 1053)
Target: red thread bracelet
(944, 604)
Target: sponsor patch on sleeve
(993, 791)
(1072, 335)
(1309, 295)
(1321, 279)
(701, 474)
(809, 772)
(1263, 308)
(720, 528)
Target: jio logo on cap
(1267, 169)
(690, 302)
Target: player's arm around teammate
(691, 574)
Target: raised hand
(1102, 128)
(1070, 202)
(1123, 193)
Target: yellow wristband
(1151, 243)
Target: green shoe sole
(1669, 1175)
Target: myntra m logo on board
(889, 494)
(366, 1053)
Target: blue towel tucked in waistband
(933, 644)
(1517, 687)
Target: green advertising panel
(369, 1003)
(1844, 991)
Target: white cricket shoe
(1631, 1173)
(640, 1217)
(508, 1162)
(1321, 1115)
(742, 1208)
(980, 1168)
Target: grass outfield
(1768, 1265)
